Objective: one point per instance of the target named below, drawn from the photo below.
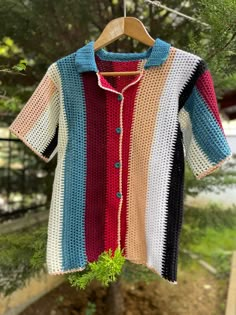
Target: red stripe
(112, 146)
(96, 166)
(112, 201)
(206, 88)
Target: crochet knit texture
(121, 143)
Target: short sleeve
(37, 123)
(205, 143)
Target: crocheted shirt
(121, 143)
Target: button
(120, 97)
(118, 194)
(118, 130)
(117, 164)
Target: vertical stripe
(35, 106)
(96, 180)
(192, 68)
(73, 241)
(141, 140)
(159, 180)
(114, 216)
(37, 123)
(175, 212)
(112, 110)
(51, 147)
(42, 133)
(130, 85)
(55, 223)
(112, 185)
(127, 116)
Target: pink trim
(213, 168)
(110, 88)
(21, 137)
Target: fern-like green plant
(105, 269)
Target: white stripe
(55, 224)
(161, 157)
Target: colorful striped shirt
(121, 143)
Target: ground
(197, 293)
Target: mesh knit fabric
(121, 143)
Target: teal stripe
(73, 238)
(206, 130)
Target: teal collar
(156, 55)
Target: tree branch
(223, 48)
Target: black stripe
(175, 212)
(185, 93)
(52, 145)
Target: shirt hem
(213, 168)
(62, 272)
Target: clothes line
(158, 4)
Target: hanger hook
(124, 7)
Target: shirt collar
(156, 55)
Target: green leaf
(105, 269)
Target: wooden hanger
(118, 27)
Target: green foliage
(218, 181)
(20, 66)
(105, 269)
(10, 104)
(16, 69)
(217, 43)
(222, 260)
(210, 233)
(38, 258)
(8, 48)
(133, 273)
(91, 308)
(211, 216)
(22, 256)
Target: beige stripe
(120, 154)
(34, 107)
(142, 130)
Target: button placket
(118, 163)
(119, 194)
(119, 130)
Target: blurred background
(34, 34)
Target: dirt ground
(197, 293)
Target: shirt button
(118, 130)
(120, 97)
(117, 164)
(118, 194)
